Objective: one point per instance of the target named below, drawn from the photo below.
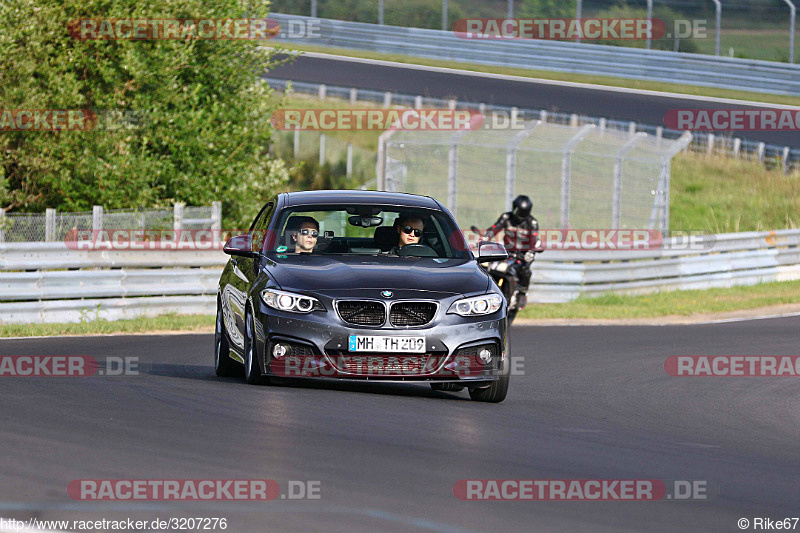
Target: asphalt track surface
(597, 102)
(593, 403)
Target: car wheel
(252, 371)
(447, 387)
(494, 393)
(224, 366)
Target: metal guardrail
(652, 65)
(723, 260)
(33, 290)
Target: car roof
(359, 198)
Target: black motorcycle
(505, 275)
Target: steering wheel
(417, 250)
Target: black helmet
(521, 208)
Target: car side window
(259, 228)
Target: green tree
(201, 128)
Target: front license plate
(390, 344)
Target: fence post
(380, 12)
(451, 104)
(737, 146)
(216, 216)
(321, 149)
(50, 224)
(632, 129)
(710, 148)
(177, 217)
(444, 15)
(511, 161)
(659, 136)
(417, 102)
(792, 20)
(619, 158)
(786, 152)
(601, 124)
(296, 146)
(314, 8)
(649, 18)
(97, 219)
(760, 151)
(510, 13)
(718, 5)
(543, 116)
(387, 99)
(578, 11)
(323, 91)
(349, 171)
(2, 225)
(353, 95)
(573, 120)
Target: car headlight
(477, 305)
(291, 302)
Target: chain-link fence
(55, 226)
(580, 176)
(343, 159)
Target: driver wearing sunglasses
(409, 231)
(306, 237)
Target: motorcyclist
(521, 239)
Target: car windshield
(368, 230)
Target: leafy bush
(201, 110)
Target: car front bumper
(317, 347)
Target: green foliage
(201, 131)
(545, 9)
(661, 12)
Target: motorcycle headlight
(291, 302)
(477, 305)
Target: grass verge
(169, 322)
(671, 303)
(560, 76)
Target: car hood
(337, 275)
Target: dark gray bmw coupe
(362, 286)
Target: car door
(243, 273)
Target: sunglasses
(312, 232)
(408, 230)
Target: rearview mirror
(364, 221)
(241, 245)
(489, 252)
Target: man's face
(305, 243)
(411, 226)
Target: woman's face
(407, 229)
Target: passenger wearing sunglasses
(306, 237)
(409, 230)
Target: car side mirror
(489, 252)
(241, 245)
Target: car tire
(495, 393)
(447, 387)
(224, 366)
(252, 371)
